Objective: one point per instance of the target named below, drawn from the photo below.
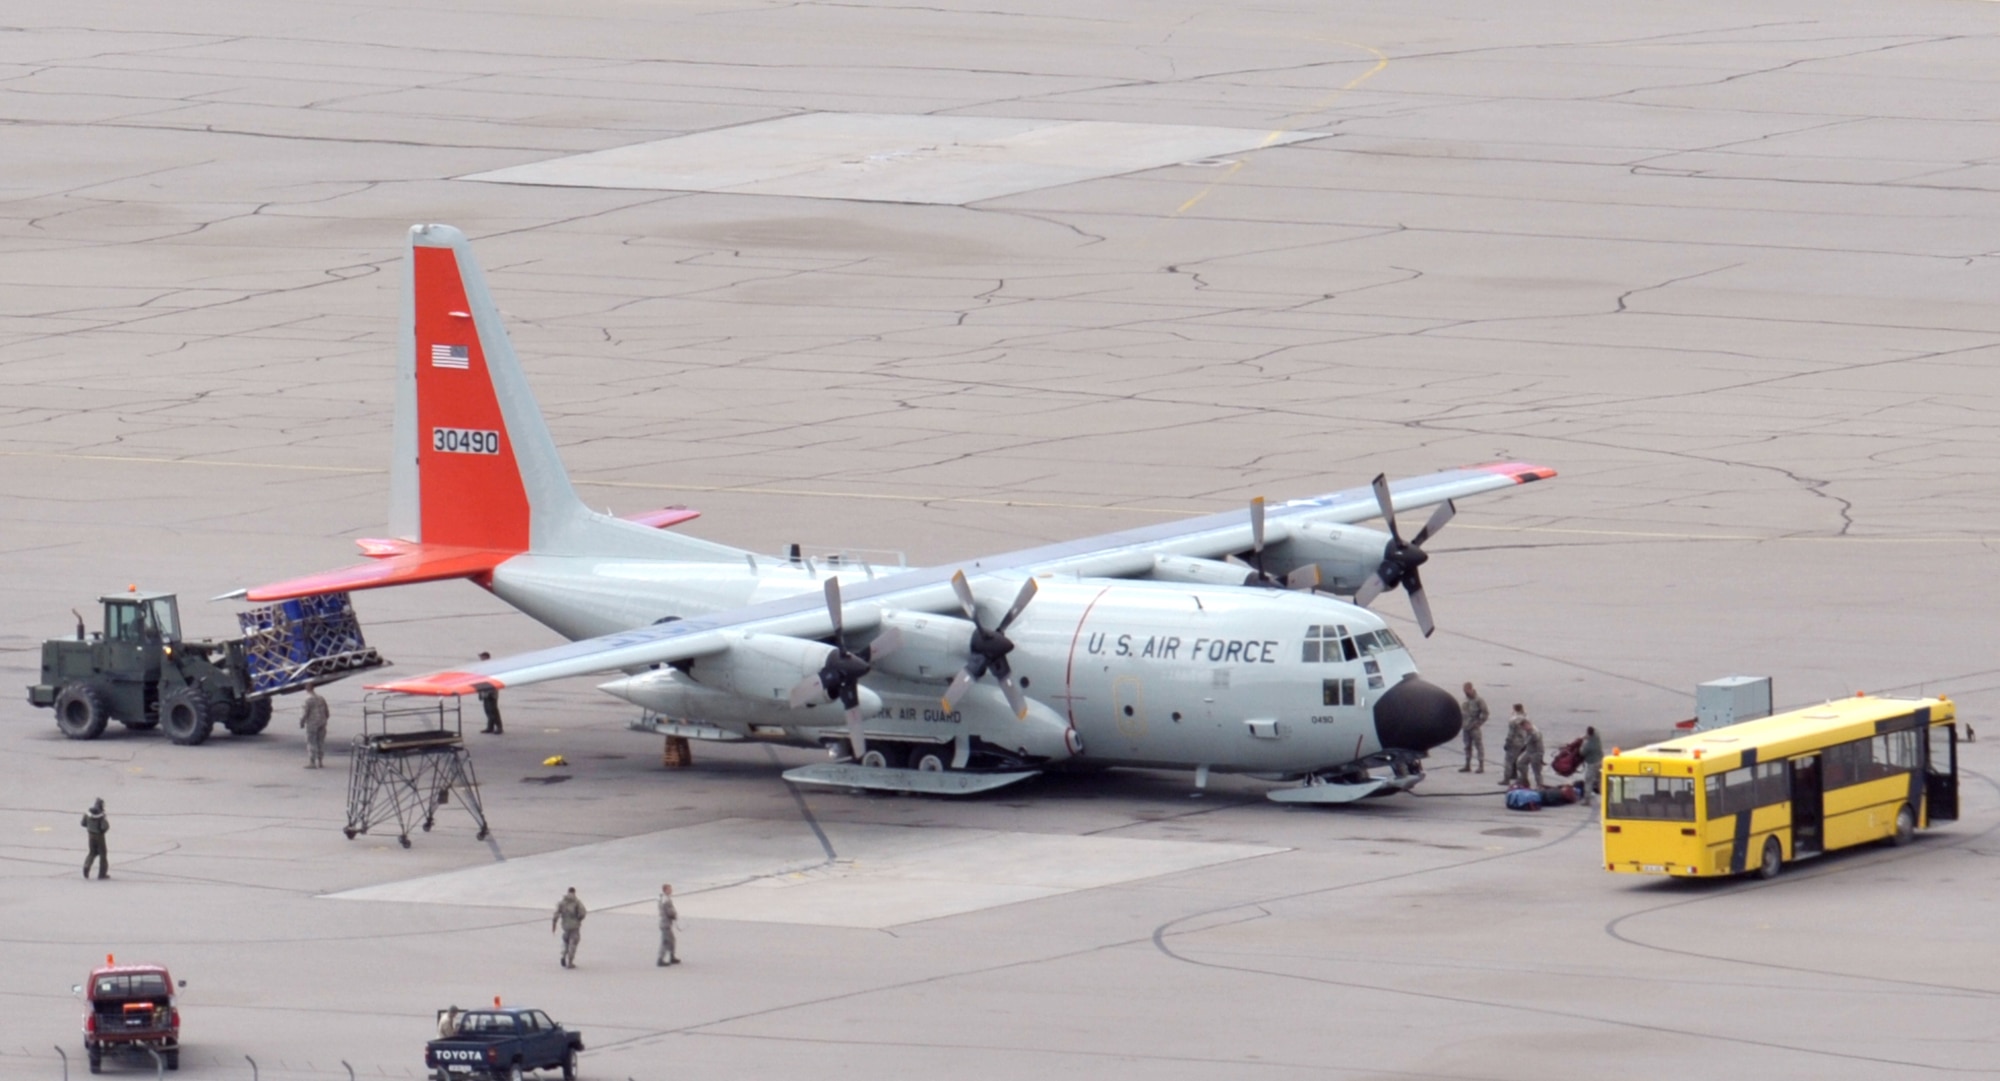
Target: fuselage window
(1336, 692)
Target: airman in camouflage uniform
(314, 722)
(669, 921)
(569, 913)
(1474, 711)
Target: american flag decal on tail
(451, 356)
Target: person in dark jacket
(489, 700)
(97, 825)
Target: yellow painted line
(822, 493)
(1381, 61)
(131, 458)
(989, 501)
(1737, 537)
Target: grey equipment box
(1725, 701)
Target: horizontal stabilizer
(417, 563)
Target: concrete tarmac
(1730, 270)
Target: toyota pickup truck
(503, 1044)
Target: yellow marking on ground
(129, 458)
(42, 829)
(996, 501)
(1381, 61)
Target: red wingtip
(440, 684)
(1521, 472)
(665, 517)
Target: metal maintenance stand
(408, 760)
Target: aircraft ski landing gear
(1354, 782)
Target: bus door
(1941, 774)
(1808, 807)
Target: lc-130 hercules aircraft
(1208, 644)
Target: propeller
(989, 648)
(1306, 576)
(840, 677)
(1401, 558)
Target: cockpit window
(1373, 642)
(1327, 644)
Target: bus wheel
(1773, 861)
(1906, 826)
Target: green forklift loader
(140, 672)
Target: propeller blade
(856, 741)
(807, 691)
(833, 607)
(1021, 599)
(1420, 604)
(965, 599)
(1015, 698)
(1257, 525)
(1370, 589)
(1387, 505)
(1304, 577)
(960, 683)
(1445, 512)
(885, 643)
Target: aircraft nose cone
(1416, 716)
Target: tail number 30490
(465, 441)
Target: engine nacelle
(932, 648)
(1347, 555)
(1198, 571)
(668, 693)
(761, 667)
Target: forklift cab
(139, 617)
(140, 630)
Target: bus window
(1845, 764)
(1773, 784)
(1894, 752)
(1668, 799)
(1731, 792)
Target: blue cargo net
(300, 643)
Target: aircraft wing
(1112, 555)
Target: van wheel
(80, 711)
(96, 1061)
(1773, 861)
(173, 1059)
(569, 1065)
(1906, 826)
(184, 712)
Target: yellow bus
(1756, 795)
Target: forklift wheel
(184, 712)
(80, 711)
(249, 718)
